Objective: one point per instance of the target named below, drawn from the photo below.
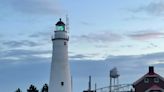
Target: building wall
(142, 86)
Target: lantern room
(60, 26)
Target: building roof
(154, 87)
(151, 73)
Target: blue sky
(103, 34)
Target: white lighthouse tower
(60, 78)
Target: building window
(156, 80)
(146, 80)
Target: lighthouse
(60, 77)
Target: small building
(150, 82)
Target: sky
(127, 34)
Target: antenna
(67, 23)
(72, 83)
(89, 89)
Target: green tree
(32, 88)
(18, 90)
(45, 88)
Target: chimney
(151, 70)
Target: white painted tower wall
(60, 78)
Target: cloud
(154, 8)
(126, 46)
(99, 37)
(85, 23)
(142, 36)
(158, 62)
(40, 35)
(108, 37)
(33, 6)
(21, 55)
(13, 44)
(101, 46)
(78, 56)
(120, 61)
(83, 57)
(136, 60)
(23, 50)
(127, 64)
(153, 45)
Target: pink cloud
(146, 35)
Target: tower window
(65, 43)
(62, 83)
(146, 80)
